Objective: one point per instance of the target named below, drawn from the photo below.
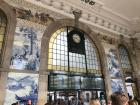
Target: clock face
(76, 38)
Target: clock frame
(76, 38)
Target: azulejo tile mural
(41, 18)
(112, 61)
(27, 45)
(117, 85)
(113, 68)
(21, 87)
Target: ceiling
(126, 9)
(129, 9)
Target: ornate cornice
(40, 18)
(62, 9)
(23, 22)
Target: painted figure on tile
(113, 65)
(26, 49)
(21, 87)
(117, 85)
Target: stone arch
(129, 51)
(133, 62)
(9, 35)
(70, 22)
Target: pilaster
(136, 57)
(3, 81)
(9, 35)
(43, 88)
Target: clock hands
(76, 38)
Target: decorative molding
(22, 4)
(77, 16)
(108, 39)
(64, 9)
(90, 2)
(88, 15)
(101, 13)
(40, 18)
(23, 22)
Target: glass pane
(0, 45)
(1, 38)
(77, 62)
(74, 82)
(60, 81)
(3, 23)
(59, 57)
(99, 83)
(124, 58)
(2, 30)
(86, 83)
(92, 59)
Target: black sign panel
(58, 81)
(88, 83)
(76, 41)
(61, 82)
(74, 82)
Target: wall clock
(76, 38)
(76, 41)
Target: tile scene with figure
(21, 87)
(26, 48)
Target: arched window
(73, 64)
(128, 71)
(124, 59)
(3, 24)
(60, 59)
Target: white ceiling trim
(71, 16)
(117, 14)
(86, 16)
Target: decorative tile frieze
(23, 4)
(23, 22)
(40, 18)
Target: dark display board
(92, 83)
(74, 82)
(58, 81)
(88, 83)
(99, 83)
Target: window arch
(126, 66)
(124, 59)
(3, 25)
(60, 59)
